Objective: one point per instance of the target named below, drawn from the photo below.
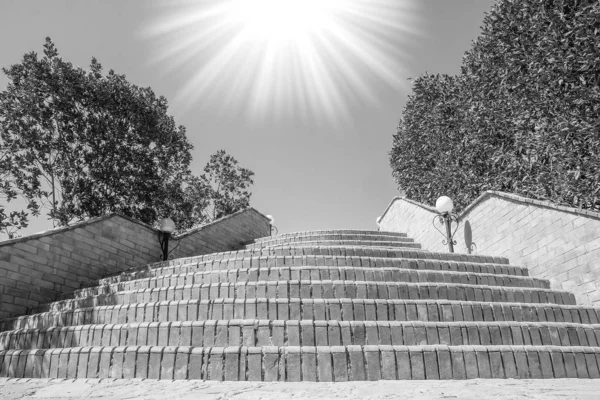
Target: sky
(305, 93)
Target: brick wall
(558, 243)
(36, 268)
(228, 233)
(416, 220)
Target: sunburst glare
(278, 58)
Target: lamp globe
(167, 225)
(444, 205)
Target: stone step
(352, 243)
(267, 263)
(256, 333)
(308, 309)
(306, 363)
(313, 306)
(331, 252)
(355, 232)
(318, 290)
(353, 237)
(313, 273)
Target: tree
(429, 155)
(13, 222)
(224, 186)
(223, 189)
(83, 144)
(523, 115)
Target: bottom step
(288, 363)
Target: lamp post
(166, 228)
(272, 226)
(444, 207)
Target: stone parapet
(561, 244)
(35, 269)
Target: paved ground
(21, 389)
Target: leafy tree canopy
(227, 185)
(223, 189)
(83, 144)
(523, 116)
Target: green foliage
(82, 144)
(523, 116)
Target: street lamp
(444, 207)
(166, 228)
(271, 223)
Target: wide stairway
(311, 306)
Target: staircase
(311, 306)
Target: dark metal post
(448, 221)
(164, 245)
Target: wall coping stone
(61, 229)
(416, 203)
(216, 221)
(506, 196)
(76, 225)
(527, 200)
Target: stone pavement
(109, 389)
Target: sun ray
(276, 58)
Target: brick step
(331, 232)
(318, 290)
(265, 263)
(313, 273)
(354, 237)
(308, 309)
(352, 243)
(331, 252)
(306, 363)
(256, 333)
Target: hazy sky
(308, 97)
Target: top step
(331, 232)
(365, 238)
(307, 242)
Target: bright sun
(279, 58)
(284, 20)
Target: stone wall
(228, 233)
(37, 268)
(558, 243)
(414, 219)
